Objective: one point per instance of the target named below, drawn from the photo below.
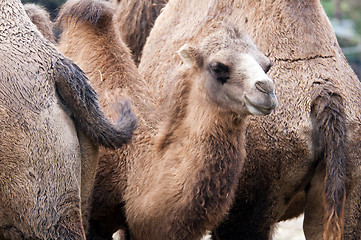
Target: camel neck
(205, 164)
(211, 142)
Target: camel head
(233, 72)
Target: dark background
(51, 5)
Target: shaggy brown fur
(41, 18)
(188, 186)
(90, 39)
(172, 189)
(49, 114)
(135, 19)
(87, 31)
(292, 152)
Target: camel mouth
(260, 108)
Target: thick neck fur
(199, 155)
(188, 109)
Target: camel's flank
(41, 18)
(51, 125)
(135, 19)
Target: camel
(41, 18)
(185, 158)
(304, 157)
(135, 19)
(88, 37)
(51, 125)
(190, 185)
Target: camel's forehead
(228, 41)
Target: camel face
(259, 95)
(233, 73)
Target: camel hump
(135, 19)
(98, 13)
(81, 103)
(329, 141)
(41, 19)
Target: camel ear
(189, 55)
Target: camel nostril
(264, 86)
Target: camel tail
(81, 103)
(97, 13)
(329, 141)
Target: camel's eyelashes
(220, 71)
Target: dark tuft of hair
(95, 12)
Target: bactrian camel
(304, 157)
(49, 117)
(181, 173)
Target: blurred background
(51, 5)
(345, 16)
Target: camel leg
(89, 164)
(247, 220)
(314, 209)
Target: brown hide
(91, 40)
(49, 113)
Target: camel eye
(267, 68)
(220, 71)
